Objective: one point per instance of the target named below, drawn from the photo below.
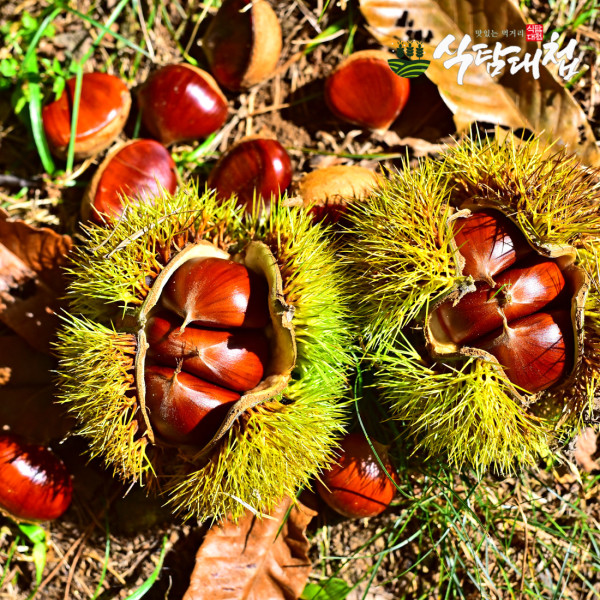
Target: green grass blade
(74, 117)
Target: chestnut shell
(104, 106)
(34, 483)
(181, 102)
(357, 486)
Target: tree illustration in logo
(403, 65)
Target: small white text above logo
(499, 57)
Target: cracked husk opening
(258, 258)
(438, 342)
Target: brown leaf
(541, 105)
(27, 392)
(31, 280)
(585, 449)
(44, 251)
(249, 561)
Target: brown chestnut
(104, 105)
(243, 43)
(357, 486)
(34, 483)
(522, 290)
(137, 169)
(363, 90)
(535, 351)
(489, 242)
(235, 360)
(252, 167)
(183, 408)
(215, 292)
(180, 103)
(328, 190)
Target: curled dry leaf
(517, 100)
(30, 280)
(250, 561)
(585, 449)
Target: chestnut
(522, 290)
(535, 351)
(243, 43)
(216, 292)
(255, 167)
(183, 408)
(327, 191)
(489, 242)
(180, 103)
(363, 90)
(357, 486)
(104, 105)
(235, 360)
(137, 169)
(34, 483)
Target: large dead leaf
(27, 392)
(249, 561)
(541, 105)
(44, 251)
(585, 450)
(30, 280)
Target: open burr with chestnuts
(476, 316)
(199, 353)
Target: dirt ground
(290, 107)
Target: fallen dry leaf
(249, 561)
(26, 389)
(541, 105)
(585, 448)
(30, 279)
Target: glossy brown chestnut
(256, 166)
(103, 109)
(357, 486)
(214, 292)
(34, 483)
(535, 351)
(522, 290)
(490, 243)
(243, 43)
(235, 360)
(364, 90)
(183, 408)
(180, 103)
(137, 169)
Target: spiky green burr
(402, 262)
(274, 447)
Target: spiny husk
(400, 255)
(273, 448)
